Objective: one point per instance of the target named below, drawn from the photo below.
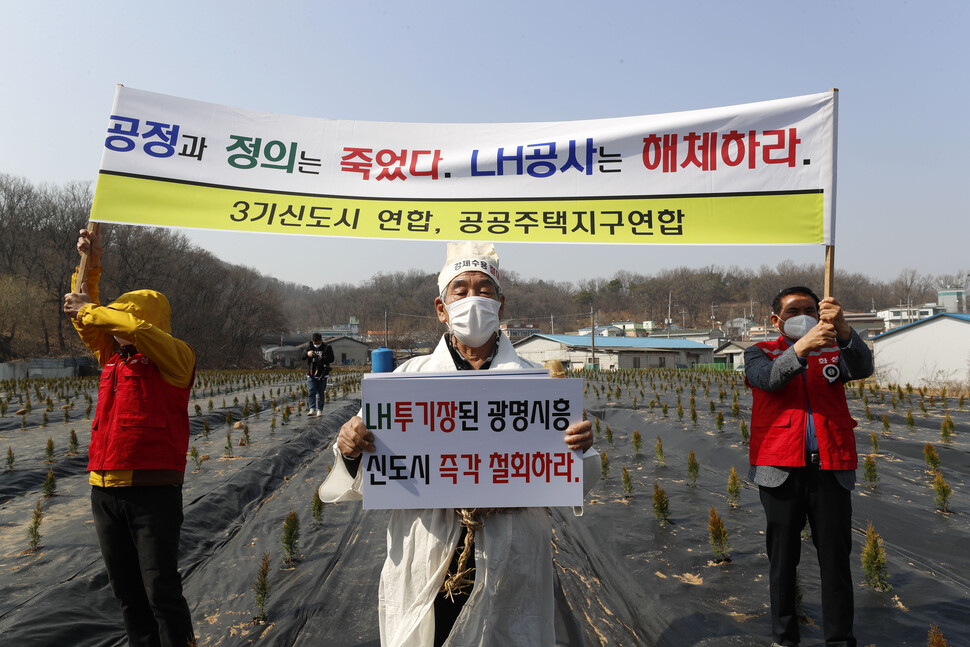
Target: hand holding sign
(355, 438)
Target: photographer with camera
(319, 357)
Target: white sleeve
(592, 468)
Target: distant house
(952, 299)
(350, 329)
(633, 328)
(930, 352)
(905, 315)
(737, 328)
(731, 354)
(576, 351)
(710, 336)
(284, 356)
(603, 331)
(347, 351)
(515, 330)
(867, 324)
(275, 339)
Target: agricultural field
(629, 571)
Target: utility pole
(552, 325)
(592, 335)
(385, 327)
(669, 319)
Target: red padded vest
(778, 418)
(142, 421)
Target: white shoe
(311, 412)
(319, 412)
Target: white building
(603, 331)
(576, 351)
(952, 299)
(905, 315)
(931, 352)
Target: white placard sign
(471, 439)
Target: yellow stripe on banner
(788, 218)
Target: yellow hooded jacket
(143, 318)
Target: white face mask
(473, 320)
(797, 327)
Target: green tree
(49, 488)
(931, 456)
(661, 506)
(637, 442)
(733, 488)
(874, 561)
(261, 589)
(33, 530)
(627, 483)
(718, 536)
(869, 470)
(943, 493)
(693, 468)
(291, 537)
(947, 427)
(316, 508)
(659, 452)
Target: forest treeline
(224, 310)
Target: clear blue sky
(901, 69)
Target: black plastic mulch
(623, 578)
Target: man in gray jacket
(802, 453)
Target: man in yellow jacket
(136, 457)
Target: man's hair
(318, 337)
(797, 289)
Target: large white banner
(471, 439)
(715, 176)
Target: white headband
(469, 257)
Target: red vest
(778, 418)
(142, 421)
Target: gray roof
(627, 343)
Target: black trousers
(138, 529)
(816, 494)
(446, 610)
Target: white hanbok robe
(512, 600)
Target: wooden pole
(829, 270)
(830, 255)
(82, 271)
